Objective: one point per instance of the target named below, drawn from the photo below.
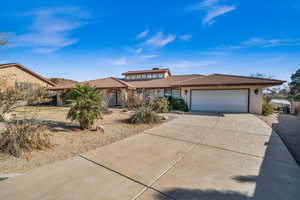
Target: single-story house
(16, 75)
(214, 92)
(280, 103)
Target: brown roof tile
(28, 71)
(102, 83)
(228, 80)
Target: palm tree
(86, 105)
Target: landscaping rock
(164, 117)
(98, 128)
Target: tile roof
(102, 83)
(157, 70)
(193, 80)
(28, 71)
(228, 80)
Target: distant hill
(62, 81)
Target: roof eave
(230, 84)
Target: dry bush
(24, 136)
(145, 114)
(161, 105)
(36, 95)
(133, 101)
(267, 109)
(12, 97)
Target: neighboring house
(280, 103)
(17, 75)
(215, 92)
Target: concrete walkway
(207, 157)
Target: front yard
(69, 140)
(288, 128)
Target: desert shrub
(178, 104)
(145, 114)
(133, 101)
(86, 105)
(161, 105)
(267, 109)
(24, 135)
(12, 97)
(37, 95)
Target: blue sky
(89, 39)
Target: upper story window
(160, 75)
(149, 76)
(138, 76)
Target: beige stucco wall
(255, 104)
(14, 74)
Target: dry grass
(68, 139)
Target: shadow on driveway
(277, 180)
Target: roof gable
(28, 71)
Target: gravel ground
(288, 128)
(68, 141)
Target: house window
(149, 76)
(160, 75)
(154, 75)
(138, 76)
(22, 85)
(144, 76)
(176, 92)
(168, 92)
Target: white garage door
(220, 100)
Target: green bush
(161, 105)
(267, 109)
(178, 104)
(145, 114)
(86, 104)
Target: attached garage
(220, 100)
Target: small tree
(294, 93)
(9, 98)
(86, 105)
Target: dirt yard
(288, 128)
(68, 140)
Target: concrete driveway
(207, 157)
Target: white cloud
(160, 39)
(213, 53)
(263, 43)
(143, 34)
(146, 57)
(275, 59)
(186, 37)
(118, 61)
(51, 29)
(212, 9)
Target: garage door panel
(220, 100)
